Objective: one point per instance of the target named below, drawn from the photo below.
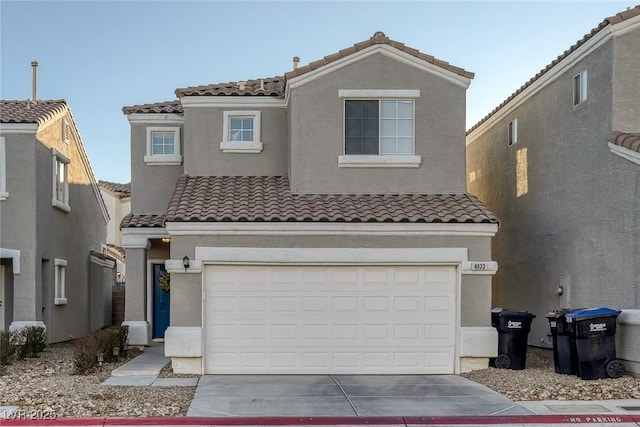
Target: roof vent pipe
(296, 59)
(34, 81)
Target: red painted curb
(270, 421)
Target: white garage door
(329, 320)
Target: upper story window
(3, 171)
(241, 132)
(378, 127)
(379, 132)
(163, 146)
(580, 88)
(513, 132)
(60, 178)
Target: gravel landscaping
(540, 382)
(47, 384)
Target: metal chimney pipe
(295, 62)
(34, 82)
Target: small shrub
(7, 349)
(103, 340)
(84, 355)
(29, 341)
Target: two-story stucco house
(52, 224)
(316, 222)
(559, 163)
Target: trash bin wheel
(503, 361)
(615, 368)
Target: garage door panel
(306, 319)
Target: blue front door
(161, 303)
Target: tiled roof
(626, 140)
(272, 86)
(158, 107)
(123, 190)
(622, 16)
(27, 111)
(378, 38)
(268, 198)
(117, 251)
(142, 221)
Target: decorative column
(135, 313)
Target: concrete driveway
(346, 395)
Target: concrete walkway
(144, 369)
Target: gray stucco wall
(577, 225)
(204, 134)
(152, 185)
(316, 132)
(65, 235)
(17, 222)
(43, 233)
(186, 295)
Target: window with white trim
(513, 132)
(60, 278)
(60, 179)
(3, 170)
(379, 128)
(383, 127)
(241, 132)
(580, 88)
(163, 146)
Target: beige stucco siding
(626, 83)
(152, 184)
(205, 131)
(475, 290)
(316, 131)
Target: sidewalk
(144, 370)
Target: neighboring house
(117, 198)
(559, 163)
(52, 224)
(318, 221)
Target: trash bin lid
(501, 312)
(587, 313)
(557, 314)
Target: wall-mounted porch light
(185, 262)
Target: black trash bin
(595, 333)
(565, 357)
(513, 329)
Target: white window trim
(60, 281)
(378, 93)
(380, 160)
(584, 91)
(64, 204)
(512, 132)
(254, 146)
(163, 159)
(3, 170)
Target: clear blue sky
(103, 55)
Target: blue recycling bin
(595, 333)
